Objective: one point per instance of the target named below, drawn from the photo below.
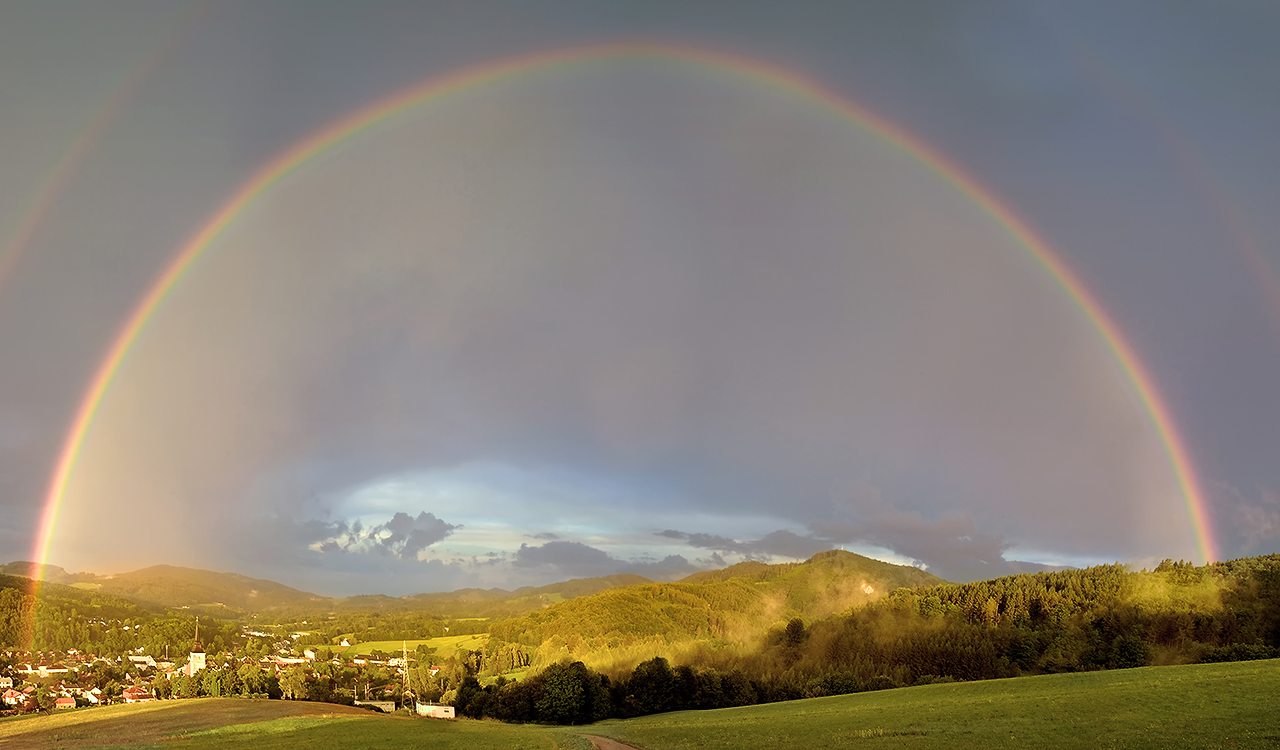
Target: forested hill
(62, 615)
(823, 570)
(737, 604)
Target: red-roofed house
(137, 695)
(65, 702)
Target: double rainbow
(512, 68)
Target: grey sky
(634, 316)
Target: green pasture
(445, 646)
(1198, 706)
(1233, 705)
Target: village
(57, 681)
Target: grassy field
(445, 646)
(1198, 706)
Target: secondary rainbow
(46, 196)
(506, 69)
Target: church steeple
(196, 662)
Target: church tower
(196, 662)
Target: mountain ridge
(229, 593)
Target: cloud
(569, 555)
(781, 543)
(1246, 525)
(403, 536)
(578, 560)
(950, 545)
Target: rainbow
(505, 69)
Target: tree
(253, 680)
(293, 683)
(652, 686)
(210, 682)
(467, 692)
(571, 694)
(794, 636)
(44, 699)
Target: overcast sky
(636, 314)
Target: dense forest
(1104, 617)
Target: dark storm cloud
(578, 560)
(1248, 524)
(403, 536)
(567, 556)
(780, 543)
(949, 546)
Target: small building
(12, 697)
(6, 683)
(434, 710)
(386, 707)
(64, 702)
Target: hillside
(734, 604)
(827, 583)
(28, 569)
(172, 586)
(60, 616)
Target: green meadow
(445, 646)
(1233, 705)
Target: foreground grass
(212, 723)
(1197, 706)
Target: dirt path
(604, 743)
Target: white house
(434, 710)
